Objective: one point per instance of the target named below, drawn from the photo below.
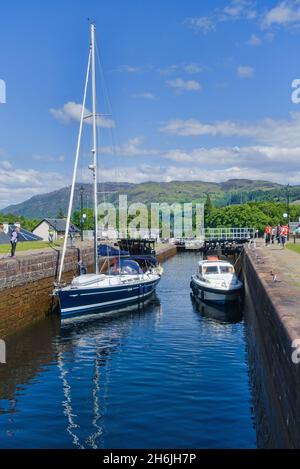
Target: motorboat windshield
(216, 269)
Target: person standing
(278, 232)
(13, 241)
(267, 235)
(72, 234)
(284, 234)
(273, 232)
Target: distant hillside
(234, 191)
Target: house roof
(58, 224)
(23, 235)
(4, 239)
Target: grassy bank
(28, 245)
(294, 247)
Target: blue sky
(198, 91)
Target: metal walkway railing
(214, 234)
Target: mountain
(233, 191)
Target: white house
(55, 225)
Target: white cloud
(129, 69)
(203, 24)
(169, 69)
(71, 111)
(257, 156)
(245, 71)
(193, 127)
(5, 164)
(17, 184)
(254, 41)
(285, 133)
(49, 158)
(186, 85)
(235, 10)
(285, 13)
(239, 9)
(194, 172)
(192, 68)
(145, 95)
(273, 152)
(130, 148)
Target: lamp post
(288, 202)
(81, 211)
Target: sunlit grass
(28, 245)
(294, 247)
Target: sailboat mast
(74, 172)
(94, 149)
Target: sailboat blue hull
(81, 301)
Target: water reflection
(173, 374)
(101, 337)
(25, 361)
(92, 340)
(227, 313)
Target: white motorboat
(216, 281)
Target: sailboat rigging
(127, 282)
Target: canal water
(173, 375)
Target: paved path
(283, 262)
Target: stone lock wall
(166, 253)
(273, 318)
(26, 283)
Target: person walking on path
(72, 234)
(267, 235)
(278, 232)
(284, 234)
(13, 241)
(273, 232)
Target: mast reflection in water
(171, 375)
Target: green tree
(89, 220)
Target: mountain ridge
(232, 191)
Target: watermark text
(155, 220)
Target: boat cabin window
(226, 269)
(210, 269)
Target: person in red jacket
(284, 234)
(268, 230)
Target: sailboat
(125, 284)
